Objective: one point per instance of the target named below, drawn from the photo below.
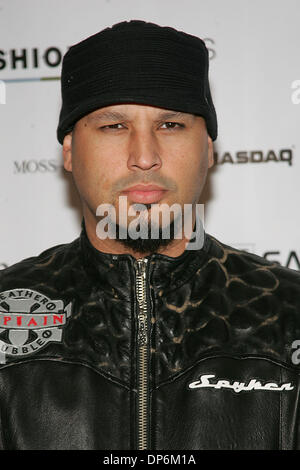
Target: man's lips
(145, 193)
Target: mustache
(165, 183)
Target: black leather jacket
(101, 351)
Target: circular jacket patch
(29, 320)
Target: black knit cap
(136, 62)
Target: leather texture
(216, 311)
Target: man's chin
(147, 243)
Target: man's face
(119, 146)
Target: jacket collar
(115, 274)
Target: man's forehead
(129, 110)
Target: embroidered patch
(29, 321)
(253, 384)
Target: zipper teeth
(143, 402)
(143, 355)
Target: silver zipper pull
(141, 265)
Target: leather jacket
(102, 351)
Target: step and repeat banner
(252, 193)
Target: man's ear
(67, 152)
(211, 159)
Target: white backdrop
(252, 193)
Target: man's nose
(143, 150)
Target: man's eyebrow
(172, 114)
(117, 116)
(107, 115)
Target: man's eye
(112, 126)
(172, 125)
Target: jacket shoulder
(242, 263)
(39, 269)
(260, 302)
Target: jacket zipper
(142, 355)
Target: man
(126, 342)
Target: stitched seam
(280, 415)
(219, 356)
(2, 431)
(64, 361)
